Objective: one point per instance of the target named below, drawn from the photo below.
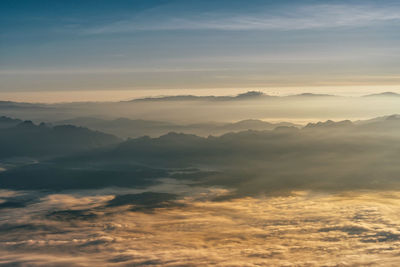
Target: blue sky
(132, 45)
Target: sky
(61, 49)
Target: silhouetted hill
(253, 125)
(251, 94)
(123, 127)
(6, 122)
(387, 124)
(384, 94)
(29, 139)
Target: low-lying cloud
(303, 228)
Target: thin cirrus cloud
(104, 71)
(300, 18)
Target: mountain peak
(311, 95)
(384, 94)
(250, 94)
(26, 125)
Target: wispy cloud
(103, 71)
(300, 18)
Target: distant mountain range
(250, 95)
(125, 128)
(244, 96)
(133, 128)
(75, 157)
(384, 125)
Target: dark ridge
(6, 122)
(329, 124)
(27, 139)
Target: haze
(199, 133)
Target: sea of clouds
(91, 228)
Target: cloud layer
(303, 228)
